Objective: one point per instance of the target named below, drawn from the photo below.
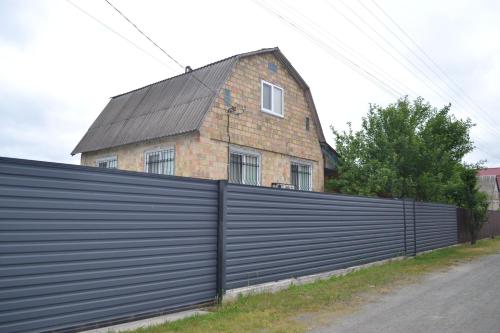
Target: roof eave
(77, 151)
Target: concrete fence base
(272, 287)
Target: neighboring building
(489, 183)
(250, 116)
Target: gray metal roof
(172, 106)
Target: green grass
(298, 307)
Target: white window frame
(156, 150)
(107, 159)
(300, 163)
(271, 111)
(245, 152)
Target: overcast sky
(58, 66)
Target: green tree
(466, 195)
(407, 149)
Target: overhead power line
(426, 55)
(367, 63)
(142, 33)
(193, 75)
(441, 75)
(333, 52)
(119, 35)
(422, 75)
(410, 70)
(431, 65)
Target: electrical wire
(332, 52)
(426, 55)
(142, 33)
(441, 93)
(328, 48)
(157, 46)
(485, 122)
(349, 50)
(119, 35)
(384, 49)
(443, 78)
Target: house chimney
(188, 69)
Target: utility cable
(460, 93)
(119, 35)
(332, 52)
(157, 46)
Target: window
(307, 123)
(227, 97)
(244, 168)
(107, 162)
(272, 67)
(160, 161)
(301, 176)
(272, 99)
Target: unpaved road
(463, 299)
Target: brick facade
(278, 140)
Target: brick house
(250, 117)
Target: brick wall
(279, 140)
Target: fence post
(221, 257)
(414, 229)
(404, 223)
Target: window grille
(109, 163)
(244, 169)
(160, 162)
(301, 176)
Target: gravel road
(463, 299)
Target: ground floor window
(160, 161)
(244, 168)
(107, 162)
(301, 176)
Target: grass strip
(298, 307)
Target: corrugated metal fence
(80, 246)
(272, 234)
(432, 235)
(490, 228)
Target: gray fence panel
(83, 245)
(436, 225)
(275, 234)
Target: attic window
(272, 67)
(272, 99)
(307, 123)
(227, 97)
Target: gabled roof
(173, 106)
(491, 172)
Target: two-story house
(249, 118)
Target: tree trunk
(473, 237)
